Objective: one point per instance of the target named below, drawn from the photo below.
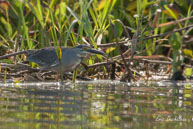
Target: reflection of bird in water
(178, 75)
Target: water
(97, 104)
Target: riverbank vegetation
(143, 39)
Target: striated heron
(48, 60)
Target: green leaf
(101, 5)
(110, 49)
(8, 61)
(187, 95)
(188, 72)
(62, 11)
(73, 13)
(188, 52)
(171, 13)
(37, 11)
(175, 41)
(7, 26)
(132, 5)
(69, 31)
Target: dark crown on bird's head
(84, 47)
(89, 49)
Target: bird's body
(48, 59)
(71, 57)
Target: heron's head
(85, 49)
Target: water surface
(96, 104)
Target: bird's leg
(85, 68)
(61, 69)
(61, 77)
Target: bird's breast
(69, 63)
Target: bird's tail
(13, 54)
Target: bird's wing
(43, 57)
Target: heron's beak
(94, 51)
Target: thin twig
(134, 44)
(12, 54)
(150, 59)
(174, 22)
(119, 47)
(145, 38)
